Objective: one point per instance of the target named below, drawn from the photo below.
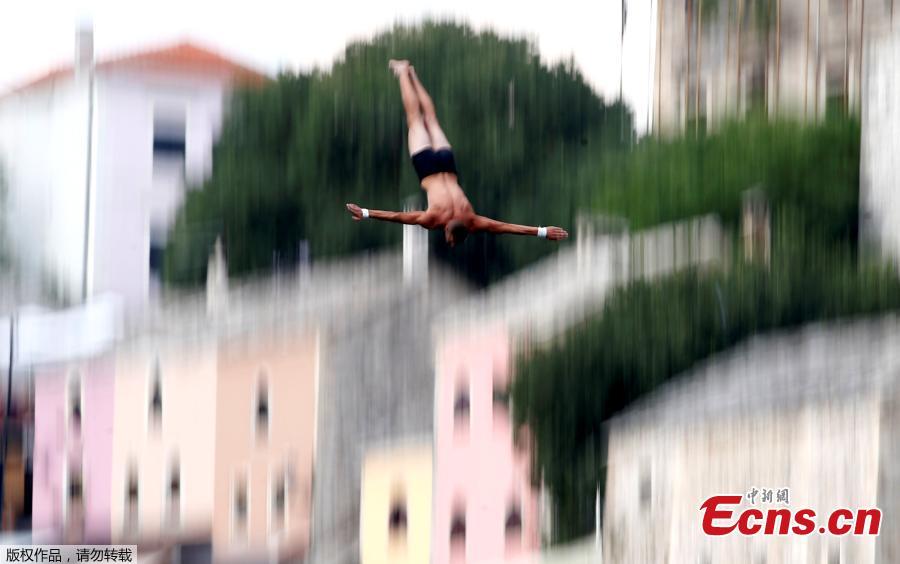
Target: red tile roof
(184, 56)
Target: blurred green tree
(292, 153)
(649, 332)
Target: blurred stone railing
(341, 285)
(540, 301)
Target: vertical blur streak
(5, 428)
(84, 63)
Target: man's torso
(446, 199)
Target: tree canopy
(293, 152)
(651, 331)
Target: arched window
(239, 508)
(75, 400)
(131, 501)
(279, 503)
(261, 412)
(458, 532)
(73, 508)
(461, 405)
(513, 526)
(174, 494)
(75, 487)
(156, 405)
(397, 516)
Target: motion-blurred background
(204, 356)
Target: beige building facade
(720, 59)
(396, 504)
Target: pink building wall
(57, 443)
(477, 467)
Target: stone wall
(539, 302)
(376, 387)
(808, 410)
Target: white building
(879, 171)
(717, 60)
(812, 410)
(97, 156)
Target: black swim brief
(428, 162)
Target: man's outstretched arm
(493, 226)
(408, 218)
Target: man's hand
(356, 212)
(556, 233)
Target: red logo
(722, 515)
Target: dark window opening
(75, 402)
(75, 487)
(513, 523)
(175, 494)
(131, 502)
(156, 400)
(168, 146)
(458, 529)
(157, 256)
(169, 135)
(461, 405)
(132, 490)
(157, 251)
(280, 502)
(175, 484)
(156, 395)
(262, 407)
(240, 504)
(397, 518)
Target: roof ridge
(185, 53)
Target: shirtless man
(448, 207)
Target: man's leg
(438, 139)
(418, 133)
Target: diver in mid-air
(432, 157)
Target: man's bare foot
(398, 67)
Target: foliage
(292, 153)
(815, 168)
(650, 331)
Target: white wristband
(542, 232)
(365, 213)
